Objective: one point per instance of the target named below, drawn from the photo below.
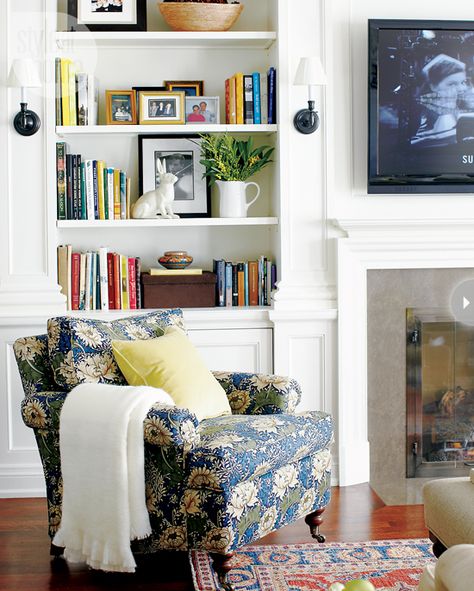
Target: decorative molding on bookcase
(307, 296)
(27, 266)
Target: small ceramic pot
(175, 259)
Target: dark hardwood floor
(354, 514)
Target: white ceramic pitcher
(233, 198)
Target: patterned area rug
(390, 565)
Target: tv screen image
(421, 106)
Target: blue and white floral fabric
(259, 394)
(80, 348)
(214, 485)
(237, 448)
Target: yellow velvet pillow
(171, 362)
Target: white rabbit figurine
(159, 201)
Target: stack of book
(251, 98)
(89, 189)
(99, 280)
(245, 283)
(77, 95)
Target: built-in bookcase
(121, 60)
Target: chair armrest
(171, 426)
(259, 394)
(163, 425)
(42, 410)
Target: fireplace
(440, 394)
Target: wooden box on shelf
(182, 291)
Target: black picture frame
(74, 25)
(420, 106)
(176, 143)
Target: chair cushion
(238, 447)
(80, 349)
(173, 364)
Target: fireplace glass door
(440, 394)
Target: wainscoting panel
(235, 350)
(20, 467)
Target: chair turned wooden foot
(221, 564)
(56, 551)
(314, 520)
(438, 547)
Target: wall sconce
(310, 73)
(24, 74)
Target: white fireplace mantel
(380, 244)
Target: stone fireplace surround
(380, 244)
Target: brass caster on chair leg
(314, 520)
(221, 565)
(224, 583)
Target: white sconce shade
(310, 72)
(24, 74)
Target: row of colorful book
(77, 95)
(251, 98)
(99, 280)
(244, 283)
(89, 189)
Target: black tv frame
(399, 183)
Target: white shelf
(62, 130)
(184, 222)
(169, 39)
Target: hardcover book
(132, 284)
(69, 188)
(239, 98)
(138, 273)
(257, 109)
(103, 278)
(90, 190)
(75, 279)
(248, 100)
(57, 80)
(110, 280)
(61, 179)
(82, 99)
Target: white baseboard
(21, 481)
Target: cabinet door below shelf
(245, 350)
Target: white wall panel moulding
(400, 246)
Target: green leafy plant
(229, 159)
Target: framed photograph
(161, 107)
(189, 87)
(181, 154)
(421, 106)
(120, 107)
(138, 89)
(203, 109)
(106, 15)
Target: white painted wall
(348, 114)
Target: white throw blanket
(102, 462)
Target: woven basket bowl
(190, 16)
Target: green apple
(336, 587)
(359, 585)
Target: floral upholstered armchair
(214, 485)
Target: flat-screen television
(421, 106)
